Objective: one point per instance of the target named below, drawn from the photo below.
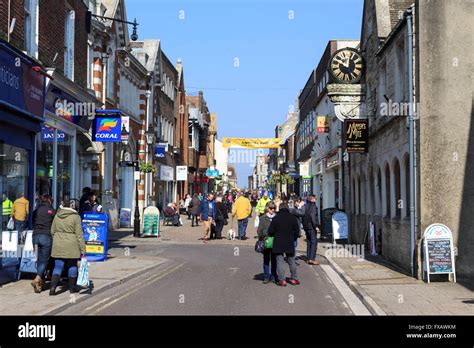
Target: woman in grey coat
(262, 232)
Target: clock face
(346, 65)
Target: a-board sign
(151, 222)
(28, 256)
(439, 251)
(10, 249)
(95, 235)
(340, 225)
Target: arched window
(399, 204)
(388, 198)
(372, 192)
(379, 191)
(407, 185)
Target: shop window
(14, 169)
(44, 167)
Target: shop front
(331, 195)
(22, 98)
(65, 155)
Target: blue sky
(276, 53)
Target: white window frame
(31, 27)
(69, 44)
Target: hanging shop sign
(181, 173)
(304, 170)
(47, 134)
(166, 173)
(252, 143)
(21, 86)
(340, 225)
(160, 150)
(356, 136)
(322, 124)
(439, 251)
(125, 125)
(107, 129)
(95, 227)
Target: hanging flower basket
(146, 168)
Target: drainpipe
(411, 126)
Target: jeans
(296, 244)
(5, 219)
(20, 227)
(44, 243)
(219, 228)
(281, 266)
(242, 227)
(269, 258)
(194, 217)
(71, 265)
(311, 244)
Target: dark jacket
(205, 209)
(196, 206)
(310, 218)
(286, 229)
(43, 219)
(221, 211)
(264, 224)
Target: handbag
(259, 246)
(268, 242)
(83, 274)
(11, 224)
(256, 222)
(190, 205)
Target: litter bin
(151, 222)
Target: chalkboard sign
(439, 255)
(326, 222)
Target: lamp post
(150, 140)
(136, 220)
(281, 161)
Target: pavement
(175, 267)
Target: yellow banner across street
(252, 143)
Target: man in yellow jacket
(7, 206)
(21, 207)
(242, 209)
(262, 203)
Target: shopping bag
(11, 224)
(257, 222)
(259, 246)
(83, 275)
(268, 242)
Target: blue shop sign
(160, 151)
(95, 226)
(21, 85)
(47, 134)
(107, 129)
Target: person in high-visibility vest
(7, 206)
(262, 203)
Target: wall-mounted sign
(356, 136)
(160, 150)
(20, 85)
(439, 251)
(332, 160)
(106, 129)
(304, 170)
(181, 173)
(47, 134)
(166, 173)
(322, 124)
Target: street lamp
(150, 140)
(136, 220)
(281, 161)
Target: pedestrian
(297, 209)
(242, 209)
(262, 203)
(84, 198)
(172, 213)
(284, 229)
(222, 215)
(68, 244)
(91, 204)
(7, 206)
(195, 209)
(311, 227)
(21, 208)
(42, 220)
(277, 201)
(208, 211)
(187, 201)
(269, 260)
